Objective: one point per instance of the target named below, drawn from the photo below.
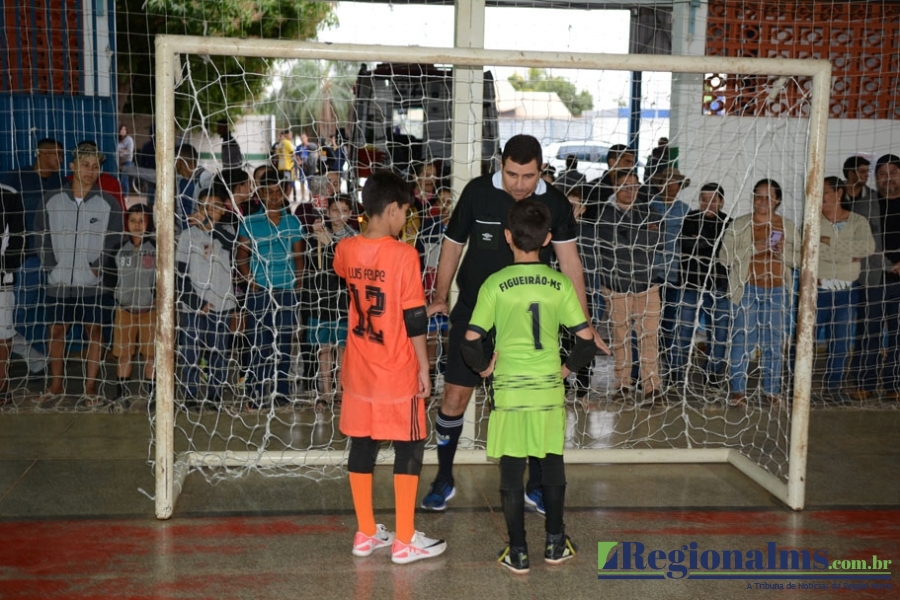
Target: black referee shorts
(458, 372)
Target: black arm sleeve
(416, 320)
(581, 355)
(473, 354)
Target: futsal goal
(446, 118)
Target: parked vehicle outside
(591, 156)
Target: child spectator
(430, 239)
(385, 375)
(326, 294)
(207, 299)
(527, 302)
(134, 325)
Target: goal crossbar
(171, 470)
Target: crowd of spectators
(685, 295)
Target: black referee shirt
(480, 218)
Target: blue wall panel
(70, 119)
(69, 113)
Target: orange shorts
(402, 421)
(132, 331)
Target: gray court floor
(77, 521)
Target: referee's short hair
(522, 149)
(529, 224)
(382, 189)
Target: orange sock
(405, 489)
(361, 488)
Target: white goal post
(171, 468)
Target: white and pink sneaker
(418, 548)
(364, 545)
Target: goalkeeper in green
(526, 303)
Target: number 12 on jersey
(365, 326)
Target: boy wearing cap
(78, 230)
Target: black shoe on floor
(514, 558)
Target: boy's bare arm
(242, 257)
(297, 249)
(420, 346)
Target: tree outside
(315, 96)
(539, 80)
(220, 86)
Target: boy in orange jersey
(385, 374)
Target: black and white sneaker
(560, 548)
(514, 558)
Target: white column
(468, 93)
(688, 39)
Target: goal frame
(171, 470)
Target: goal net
(248, 378)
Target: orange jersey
(383, 279)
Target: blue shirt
(672, 215)
(271, 258)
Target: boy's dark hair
(187, 152)
(714, 187)
(615, 151)
(619, 176)
(855, 162)
(345, 198)
(835, 183)
(529, 224)
(48, 142)
(205, 195)
(138, 208)
(522, 149)
(382, 189)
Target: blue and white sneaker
(436, 498)
(535, 499)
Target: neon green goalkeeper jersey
(527, 303)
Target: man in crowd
(33, 183)
(879, 298)
(856, 188)
(704, 285)
(619, 158)
(79, 228)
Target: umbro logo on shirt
(487, 236)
